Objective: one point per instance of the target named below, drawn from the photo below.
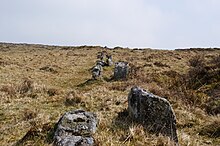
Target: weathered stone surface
(105, 62)
(100, 55)
(96, 71)
(153, 112)
(109, 61)
(101, 62)
(121, 70)
(75, 128)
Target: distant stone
(75, 128)
(121, 70)
(153, 112)
(96, 71)
(100, 55)
(109, 61)
(101, 62)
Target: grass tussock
(211, 129)
(9, 90)
(73, 98)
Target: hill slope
(39, 83)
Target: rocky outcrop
(121, 70)
(153, 112)
(75, 128)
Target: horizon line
(102, 46)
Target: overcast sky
(160, 24)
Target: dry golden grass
(39, 83)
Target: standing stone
(96, 71)
(121, 70)
(100, 55)
(154, 112)
(75, 128)
(109, 61)
(101, 62)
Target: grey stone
(96, 71)
(100, 55)
(121, 70)
(76, 141)
(101, 62)
(153, 112)
(75, 128)
(109, 61)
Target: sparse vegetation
(73, 98)
(39, 83)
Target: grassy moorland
(39, 83)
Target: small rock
(75, 128)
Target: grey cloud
(127, 23)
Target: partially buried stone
(121, 70)
(153, 112)
(75, 128)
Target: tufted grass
(33, 99)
